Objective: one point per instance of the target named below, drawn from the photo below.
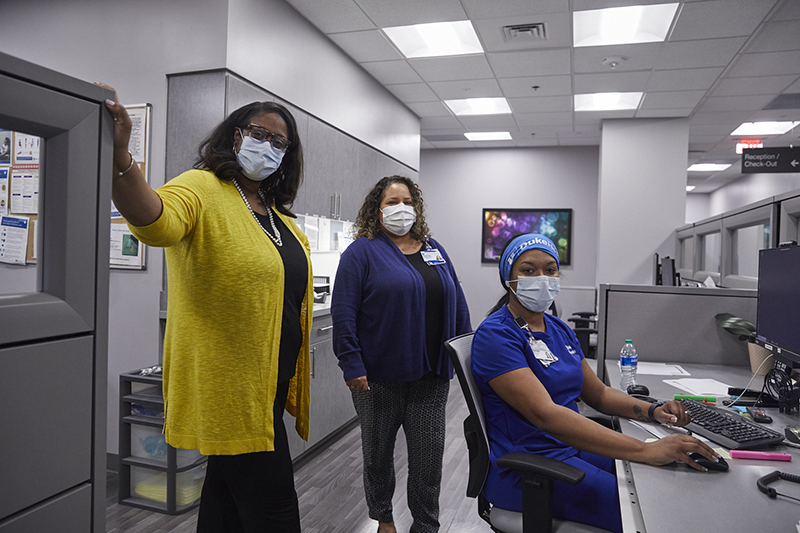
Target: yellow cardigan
(224, 316)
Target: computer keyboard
(728, 429)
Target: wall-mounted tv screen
(502, 225)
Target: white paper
(660, 369)
(126, 250)
(26, 149)
(4, 186)
(13, 239)
(24, 190)
(311, 229)
(700, 387)
(709, 282)
(324, 236)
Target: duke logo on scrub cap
(522, 244)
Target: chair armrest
(532, 463)
(585, 314)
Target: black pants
(252, 492)
(419, 407)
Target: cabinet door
(331, 403)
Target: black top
(434, 308)
(295, 281)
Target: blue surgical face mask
(536, 293)
(258, 160)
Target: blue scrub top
(500, 346)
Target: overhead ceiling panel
(474, 67)
(530, 63)
(720, 18)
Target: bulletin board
(19, 197)
(126, 251)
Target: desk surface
(666, 499)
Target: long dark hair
(368, 222)
(216, 153)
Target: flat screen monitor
(668, 271)
(656, 270)
(779, 302)
(501, 225)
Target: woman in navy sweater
(396, 300)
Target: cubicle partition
(672, 324)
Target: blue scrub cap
(522, 244)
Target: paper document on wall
(13, 239)
(660, 369)
(710, 387)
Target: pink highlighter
(765, 456)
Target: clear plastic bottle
(628, 360)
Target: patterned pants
(418, 406)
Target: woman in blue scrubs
(530, 371)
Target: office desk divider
(671, 324)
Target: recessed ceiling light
(435, 39)
(690, 188)
(622, 25)
(607, 101)
(708, 167)
(479, 106)
(488, 136)
(764, 128)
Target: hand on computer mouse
(677, 447)
(720, 465)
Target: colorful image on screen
(502, 225)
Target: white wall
(305, 68)
(458, 184)
(698, 207)
(133, 45)
(751, 188)
(642, 195)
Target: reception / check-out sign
(770, 160)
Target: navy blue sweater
(378, 310)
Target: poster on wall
(126, 250)
(6, 143)
(13, 239)
(26, 149)
(24, 189)
(4, 190)
(499, 226)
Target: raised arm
(522, 390)
(133, 197)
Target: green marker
(695, 397)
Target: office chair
(584, 329)
(538, 472)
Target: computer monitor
(779, 303)
(668, 272)
(656, 270)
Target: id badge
(432, 257)
(542, 352)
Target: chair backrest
(460, 350)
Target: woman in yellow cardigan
(239, 315)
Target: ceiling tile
(637, 57)
(543, 119)
(761, 85)
(611, 82)
(683, 79)
(789, 11)
(672, 100)
(439, 123)
(547, 86)
(364, 46)
(450, 90)
(430, 109)
(699, 54)
(481, 9)
(472, 67)
(664, 113)
(767, 64)
(488, 122)
(734, 103)
(541, 134)
(386, 14)
(558, 30)
(529, 63)
(333, 16)
(777, 37)
(392, 72)
(540, 103)
(413, 92)
(719, 117)
(720, 18)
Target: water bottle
(628, 360)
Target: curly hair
(216, 153)
(368, 221)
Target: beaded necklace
(277, 238)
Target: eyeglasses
(260, 134)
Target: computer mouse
(641, 390)
(721, 466)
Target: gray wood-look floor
(331, 491)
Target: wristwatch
(652, 410)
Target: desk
(672, 498)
